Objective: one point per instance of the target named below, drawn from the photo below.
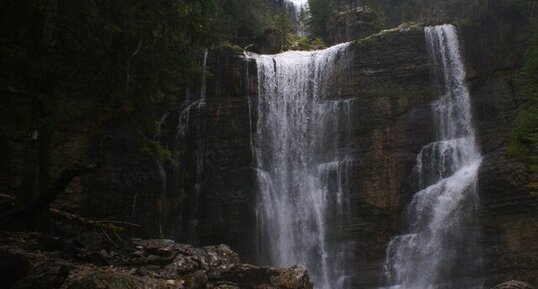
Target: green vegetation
(393, 89)
(241, 21)
(524, 138)
(96, 65)
(320, 11)
(100, 62)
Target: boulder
(513, 284)
(295, 277)
(251, 276)
(47, 275)
(217, 260)
(196, 280)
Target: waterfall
(440, 248)
(184, 133)
(198, 105)
(302, 156)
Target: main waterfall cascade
(301, 149)
(440, 248)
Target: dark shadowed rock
(222, 286)
(13, 267)
(159, 247)
(195, 280)
(270, 42)
(23, 265)
(47, 275)
(295, 277)
(105, 280)
(513, 284)
(217, 260)
(251, 276)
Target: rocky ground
(94, 260)
(97, 260)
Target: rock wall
(494, 53)
(391, 88)
(390, 84)
(391, 112)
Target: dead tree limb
(113, 226)
(43, 201)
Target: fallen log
(112, 226)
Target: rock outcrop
(32, 260)
(494, 53)
(513, 284)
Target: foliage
(297, 42)
(241, 21)
(524, 137)
(283, 24)
(320, 12)
(91, 65)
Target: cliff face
(208, 196)
(391, 88)
(494, 54)
(391, 113)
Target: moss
(231, 46)
(408, 26)
(155, 149)
(394, 89)
(523, 142)
(295, 42)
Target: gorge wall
(391, 87)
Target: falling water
(197, 104)
(440, 248)
(187, 129)
(301, 149)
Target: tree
(99, 63)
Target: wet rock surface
(513, 284)
(27, 262)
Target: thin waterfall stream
(440, 247)
(301, 151)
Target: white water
(440, 247)
(190, 124)
(303, 160)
